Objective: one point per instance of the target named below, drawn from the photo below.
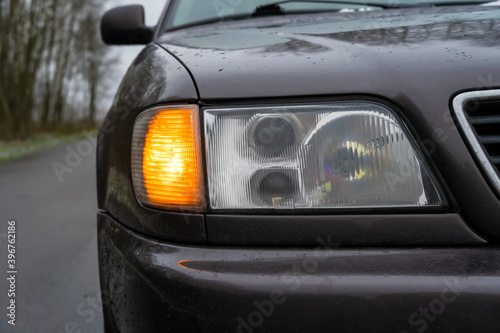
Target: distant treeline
(54, 68)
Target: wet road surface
(57, 283)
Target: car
(303, 166)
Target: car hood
(385, 52)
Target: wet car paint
(396, 64)
(172, 288)
(415, 60)
(154, 77)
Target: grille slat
(489, 139)
(485, 120)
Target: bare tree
(46, 49)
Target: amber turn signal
(166, 159)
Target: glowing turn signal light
(166, 158)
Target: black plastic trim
(347, 230)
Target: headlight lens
(327, 156)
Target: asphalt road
(57, 283)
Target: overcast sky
(153, 8)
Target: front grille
(484, 117)
(478, 113)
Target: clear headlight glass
(326, 156)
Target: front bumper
(151, 286)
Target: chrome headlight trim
(459, 103)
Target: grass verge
(15, 149)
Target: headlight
(326, 156)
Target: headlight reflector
(326, 156)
